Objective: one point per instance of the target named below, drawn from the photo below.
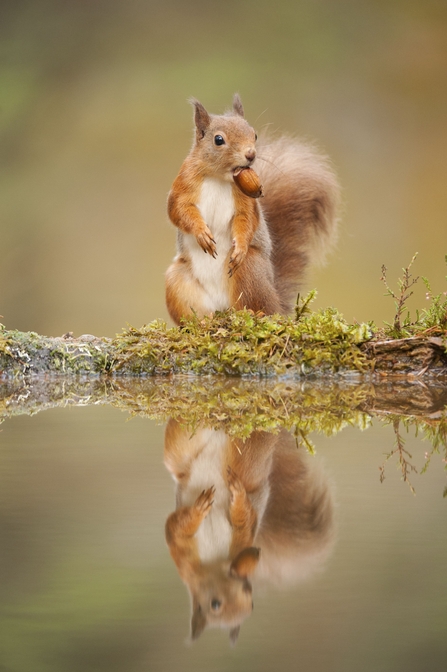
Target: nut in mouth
(248, 181)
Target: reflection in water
(253, 510)
(403, 457)
(86, 579)
(241, 406)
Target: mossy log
(233, 343)
(239, 406)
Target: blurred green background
(94, 125)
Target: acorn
(248, 182)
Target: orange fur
(273, 243)
(279, 508)
(183, 291)
(245, 223)
(253, 286)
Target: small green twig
(405, 283)
(302, 305)
(303, 435)
(404, 458)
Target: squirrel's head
(224, 142)
(222, 595)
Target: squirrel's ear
(237, 105)
(234, 634)
(198, 621)
(245, 562)
(201, 118)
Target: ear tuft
(234, 634)
(237, 105)
(201, 118)
(198, 622)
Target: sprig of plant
(401, 324)
(429, 321)
(435, 316)
(403, 456)
(436, 434)
(302, 305)
(302, 437)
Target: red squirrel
(253, 509)
(231, 250)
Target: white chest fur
(214, 534)
(216, 205)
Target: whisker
(260, 115)
(258, 156)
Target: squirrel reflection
(258, 509)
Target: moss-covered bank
(232, 343)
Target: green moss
(245, 343)
(4, 341)
(241, 406)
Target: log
(231, 343)
(238, 406)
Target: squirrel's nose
(250, 154)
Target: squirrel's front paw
(237, 257)
(235, 484)
(242, 513)
(205, 501)
(207, 242)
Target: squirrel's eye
(256, 136)
(215, 604)
(218, 140)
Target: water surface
(88, 583)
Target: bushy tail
(300, 206)
(298, 530)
